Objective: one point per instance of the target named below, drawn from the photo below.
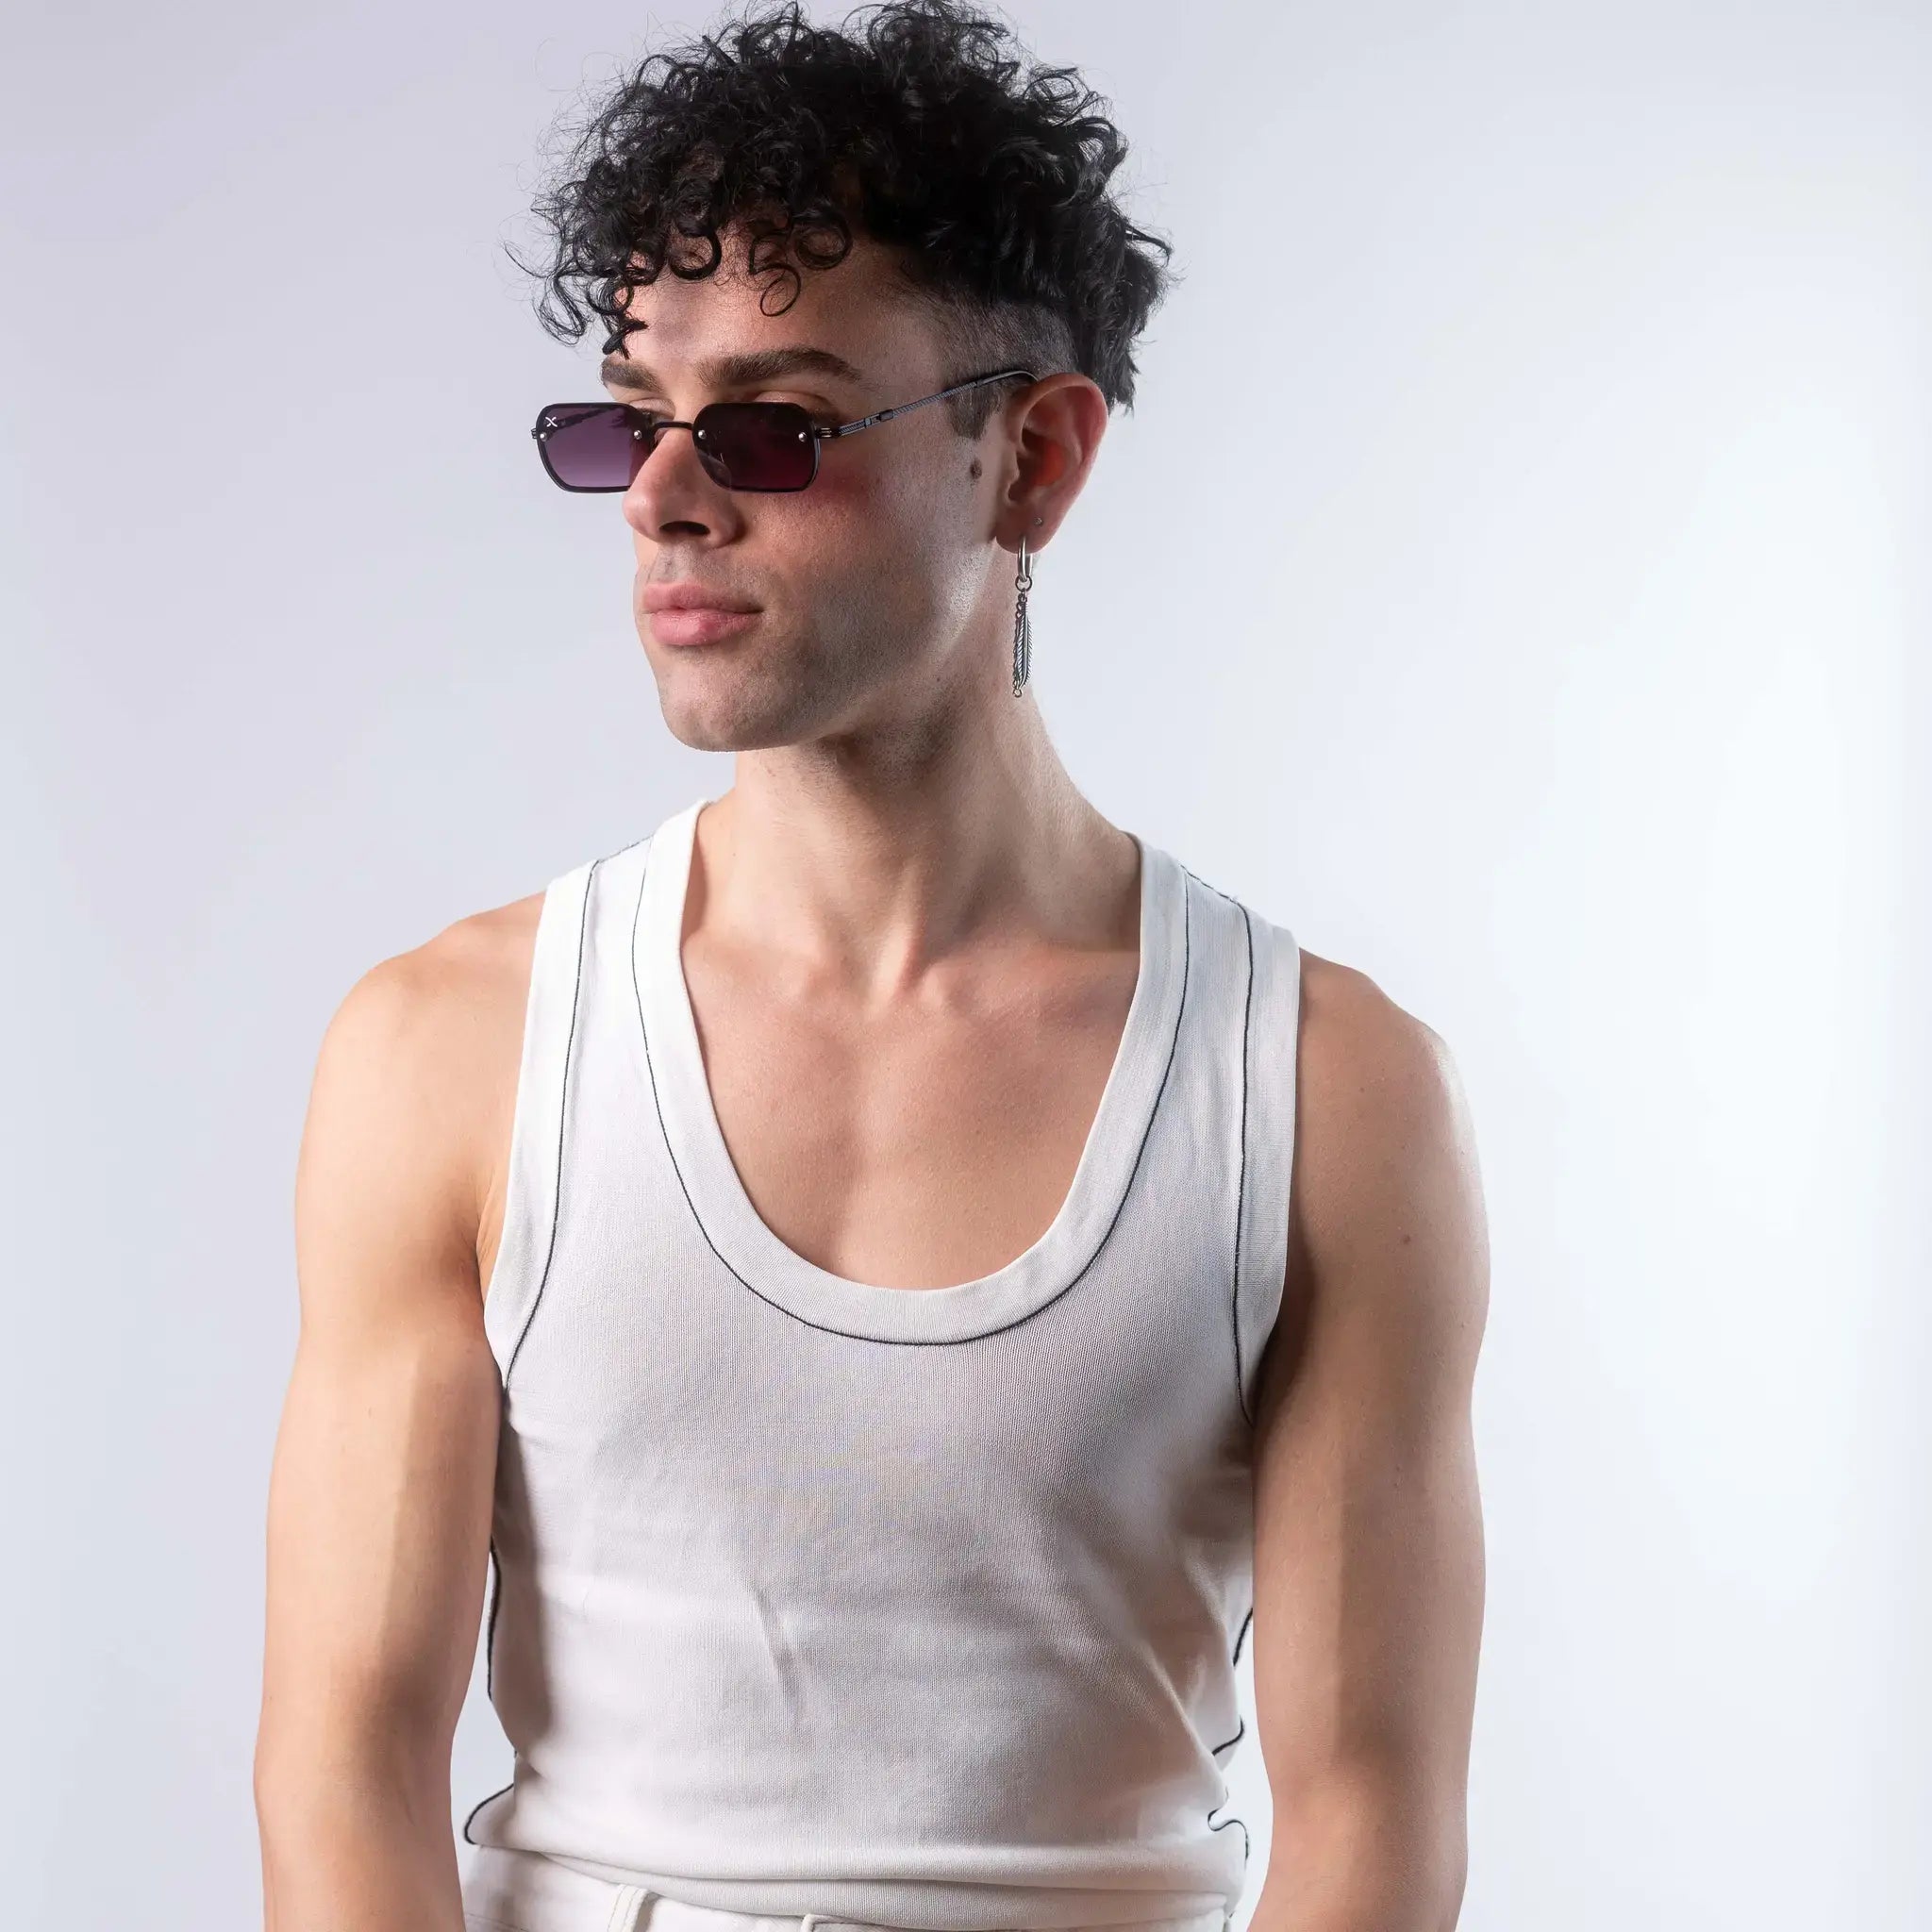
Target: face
(879, 587)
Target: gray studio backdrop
(1545, 638)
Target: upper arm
(380, 1492)
(1368, 1550)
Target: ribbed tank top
(918, 1607)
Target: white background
(1512, 577)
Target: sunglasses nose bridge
(712, 466)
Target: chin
(737, 721)
(717, 699)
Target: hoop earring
(1022, 628)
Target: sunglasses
(741, 446)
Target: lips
(691, 613)
(698, 623)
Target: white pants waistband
(508, 1891)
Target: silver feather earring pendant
(1022, 628)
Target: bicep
(380, 1490)
(1368, 1555)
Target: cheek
(847, 521)
(850, 494)
(869, 546)
(837, 511)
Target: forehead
(858, 312)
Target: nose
(673, 491)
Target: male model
(891, 1277)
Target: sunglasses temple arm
(938, 395)
(882, 416)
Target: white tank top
(918, 1607)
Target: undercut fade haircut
(920, 123)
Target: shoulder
(415, 1082)
(1386, 1216)
(419, 1009)
(1365, 1064)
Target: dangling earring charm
(1022, 628)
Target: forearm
(1364, 1865)
(350, 1840)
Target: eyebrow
(735, 371)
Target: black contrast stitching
(1210, 885)
(555, 1213)
(1232, 1818)
(478, 1806)
(915, 1340)
(1241, 1387)
(1223, 1823)
(563, 1116)
(490, 1628)
(555, 1205)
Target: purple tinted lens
(741, 446)
(591, 447)
(757, 445)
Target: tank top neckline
(766, 1265)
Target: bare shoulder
(414, 1092)
(1386, 1215)
(1370, 1072)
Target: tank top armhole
(1270, 1030)
(536, 1150)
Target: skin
(904, 907)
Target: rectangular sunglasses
(601, 446)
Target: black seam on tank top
(1241, 1732)
(563, 1116)
(1208, 883)
(556, 1197)
(490, 1626)
(1232, 1818)
(914, 1341)
(564, 1096)
(555, 1212)
(478, 1806)
(1240, 1387)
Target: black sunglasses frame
(557, 416)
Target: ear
(1052, 432)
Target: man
(888, 1274)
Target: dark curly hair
(987, 175)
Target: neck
(881, 854)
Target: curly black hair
(985, 174)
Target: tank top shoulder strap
(531, 1186)
(1270, 1023)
